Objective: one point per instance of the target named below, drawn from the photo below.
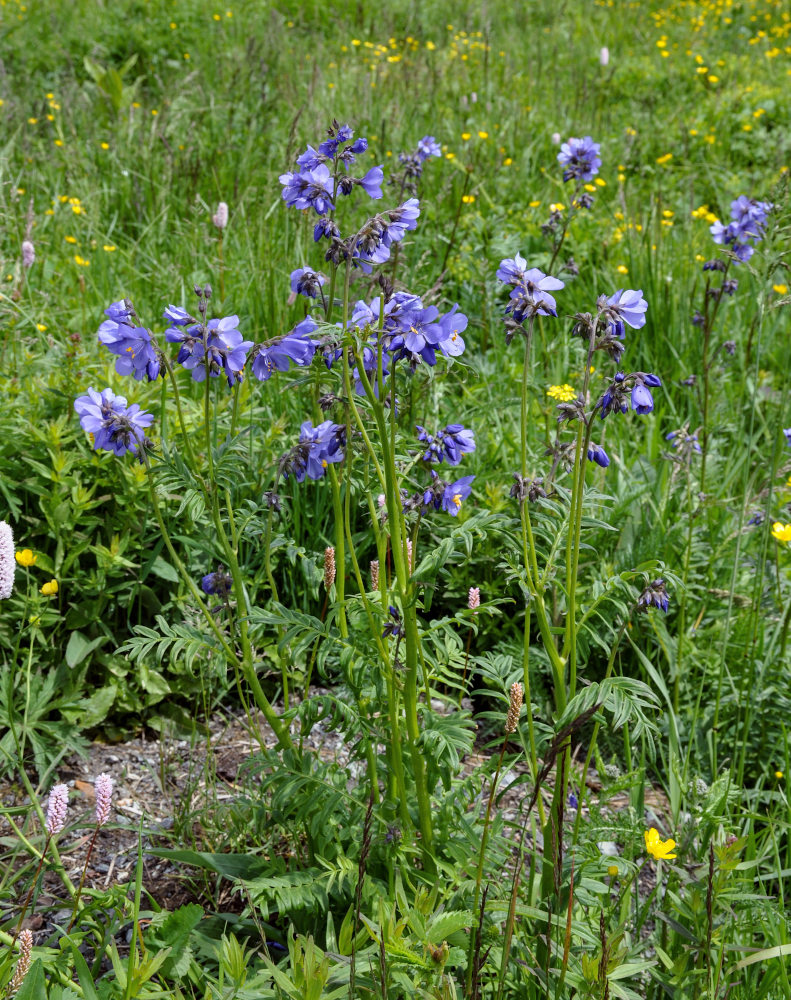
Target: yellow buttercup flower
(565, 393)
(612, 870)
(782, 532)
(778, 775)
(780, 289)
(659, 849)
(26, 557)
(50, 588)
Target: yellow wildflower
(49, 589)
(780, 289)
(565, 393)
(782, 532)
(658, 849)
(26, 557)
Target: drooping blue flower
(447, 445)
(296, 347)
(581, 159)
(388, 228)
(371, 183)
(598, 455)
(626, 306)
(307, 282)
(654, 595)
(428, 146)
(115, 426)
(642, 400)
(787, 432)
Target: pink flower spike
(473, 598)
(103, 786)
(57, 805)
(220, 217)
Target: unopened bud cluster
(329, 567)
(514, 708)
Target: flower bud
(374, 574)
(103, 787)
(329, 567)
(604, 56)
(28, 253)
(25, 941)
(57, 806)
(7, 562)
(220, 217)
(514, 708)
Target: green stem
(279, 728)
(479, 870)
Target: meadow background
(123, 126)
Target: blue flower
(305, 281)
(386, 229)
(787, 432)
(598, 455)
(225, 350)
(178, 316)
(309, 189)
(626, 306)
(581, 159)
(530, 296)
(372, 182)
(654, 595)
(452, 324)
(136, 353)
(512, 270)
(448, 445)
(296, 347)
(428, 146)
(642, 400)
(115, 426)
(318, 447)
(748, 223)
(455, 493)
(217, 583)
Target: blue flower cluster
(654, 595)
(410, 330)
(581, 159)
(115, 426)
(222, 351)
(318, 447)
(636, 386)
(748, 224)
(132, 344)
(530, 295)
(314, 186)
(447, 445)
